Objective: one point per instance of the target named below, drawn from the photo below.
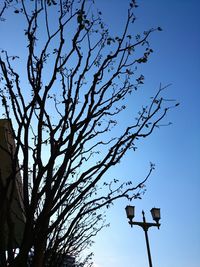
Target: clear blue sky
(175, 184)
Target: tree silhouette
(64, 107)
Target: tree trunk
(39, 251)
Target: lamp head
(130, 212)
(155, 212)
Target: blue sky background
(174, 186)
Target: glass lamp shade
(130, 212)
(155, 212)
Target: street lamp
(155, 212)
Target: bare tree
(5, 4)
(64, 109)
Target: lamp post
(155, 212)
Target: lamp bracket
(144, 225)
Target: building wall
(12, 216)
